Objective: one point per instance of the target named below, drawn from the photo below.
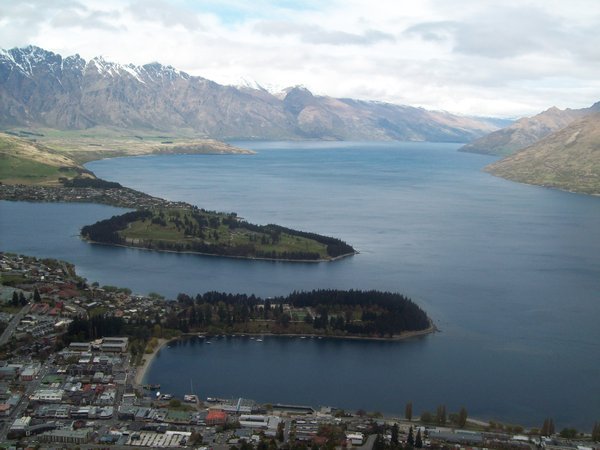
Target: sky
(507, 58)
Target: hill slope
(567, 159)
(41, 88)
(25, 162)
(527, 131)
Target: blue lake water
(510, 273)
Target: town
(99, 191)
(59, 390)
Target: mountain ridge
(41, 88)
(527, 131)
(567, 159)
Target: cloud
(466, 56)
(69, 18)
(314, 34)
(166, 13)
(433, 31)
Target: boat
(151, 387)
(190, 398)
(259, 340)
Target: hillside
(527, 131)
(568, 159)
(39, 88)
(26, 162)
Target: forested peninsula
(193, 230)
(348, 314)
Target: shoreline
(251, 258)
(140, 371)
(396, 338)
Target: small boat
(151, 387)
(190, 398)
(208, 342)
(259, 340)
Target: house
(4, 409)
(355, 439)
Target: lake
(510, 273)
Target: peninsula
(193, 230)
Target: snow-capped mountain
(39, 87)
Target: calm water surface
(510, 273)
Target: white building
(48, 395)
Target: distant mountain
(41, 88)
(527, 131)
(568, 159)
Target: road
(12, 326)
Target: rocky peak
(298, 98)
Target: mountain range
(527, 131)
(39, 88)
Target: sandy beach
(147, 360)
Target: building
(257, 421)
(28, 374)
(4, 409)
(355, 439)
(20, 424)
(66, 436)
(48, 395)
(114, 344)
(216, 417)
(79, 346)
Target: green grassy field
(215, 232)
(15, 170)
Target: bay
(510, 273)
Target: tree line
(355, 312)
(107, 230)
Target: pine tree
(545, 427)
(596, 432)
(15, 299)
(379, 443)
(441, 415)
(419, 439)
(462, 417)
(551, 429)
(408, 411)
(395, 433)
(411, 438)
(36, 296)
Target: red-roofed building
(4, 409)
(216, 417)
